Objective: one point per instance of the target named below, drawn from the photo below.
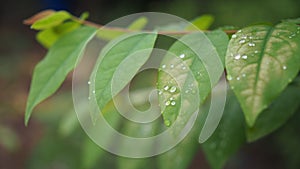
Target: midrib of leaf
(57, 70)
(128, 52)
(259, 62)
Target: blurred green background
(53, 138)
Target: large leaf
(260, 62)
(51, 20)
(277, 114)
(228, 137)
(193, 55)
(119, 61)
(49, 74)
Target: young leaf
(51, 20)
(53, 69)
(276, 115)
(260, 62)
(185, 58)
(203, 23)
(119, 61)
(48, 37)
(108, 34)
(228, 137)
(138, 24)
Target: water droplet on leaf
(173, 89)
(182, 56)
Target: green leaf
(120, 60)
(203, 23)
(187, 57)
(295, 21)
(137, 130)
(228, 137)
(51, 20)
(181, 156)
(49, 74)
(260, 62)
(109, 34)
(138, 24)
(276, 115)
(48, 37)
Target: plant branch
(95, 25)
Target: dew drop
(244, 56)
(237, 57)
(238, 78)
(183, 67)
(187, 91)
(244, 75)
(171, 98)
(160, 92)
(242, 41)
(182, 56)
(173, 103)
(256, 51)
(166, 88)
(284, 67)
(89, 98)
(94, 91)
(244, 37)
(173, 89)
(167, 103)
(167, 123)
(229, 77)
(171, 66)
(251, 44)
(233, 36)
(239, 31)
(163, 66)
(89, 82)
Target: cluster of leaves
(261, 63)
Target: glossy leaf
(228, 137)
(210, 49)
(260, 62)
(51, 20)
(203, 23)
(276, 115)
(49, 74)
(119, 61)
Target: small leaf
(228, 137)
(84, 15)
(48, 37)
(38, 16)
(276, 115)
(260, 62)
(49, 74)
(138, 24)
(51, 20)
(185, 59)
(109, 34)
(119, 60)
(203, 23)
